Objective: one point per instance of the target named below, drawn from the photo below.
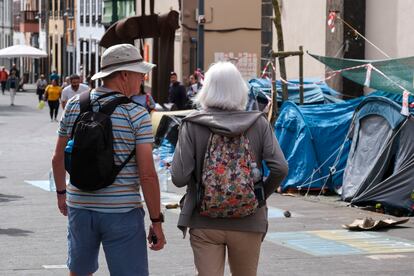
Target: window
(62, 7)
(88, 11)
(93, 12)
(126, 8)
(81, 11)
(55, 7)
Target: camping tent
(315, 92)
(312, 138)
(21, 51)
(380, 165)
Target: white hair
(223, 88)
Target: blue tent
(315, 91)
(312, 138)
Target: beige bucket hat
(122, 57)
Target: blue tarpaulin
(311, 137)
(315, 91)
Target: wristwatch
(159, 219)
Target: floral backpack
(227, 189)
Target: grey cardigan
(189, 156)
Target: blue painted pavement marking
(274, 212)
(42, 184)
(311, 244)
(340, 242)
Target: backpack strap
(108, 108)
(120, 167)
(85, 102)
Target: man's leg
(209, 251)
(83, 242)
(50, 103)
(12, 95)
(244, 250)
(56, 109)
(3, 86)
(124, 243)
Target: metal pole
(301, 96)
(64, 56)
(200, 35)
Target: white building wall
(389, 26)
(6, 26)
(92, 33)
(303, 23)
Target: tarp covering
(21, 51)
(315, 91)
(399, 70)
(380, 165)
(311, 138)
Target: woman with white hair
(219, 158)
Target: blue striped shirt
(131, 125)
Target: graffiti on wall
(245, 62)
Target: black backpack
(91, 161)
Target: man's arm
(58, 165)
(63, 98)
(63, 102)
(150, 189)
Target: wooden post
(277, 20)
(274, 112)
(301, 88)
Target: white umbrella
(22, 51)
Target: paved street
(310, 242)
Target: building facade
(388, 25)
(26, 32)
(56, 35)
(6, 28)
(232, 31)
(89, 30)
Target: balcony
(29, 22)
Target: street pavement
(310, 242)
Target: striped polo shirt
(131, 125)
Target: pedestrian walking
(219, 157)
(12, 85)
(193, 86)
(66, 82)
(52, 96)
(54, 76)
(73, 89)
(14, 70)
(113, 216)
(3, 79)
(177, 94)
(41, 84)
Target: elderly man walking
(75, 87)
(113, 216)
